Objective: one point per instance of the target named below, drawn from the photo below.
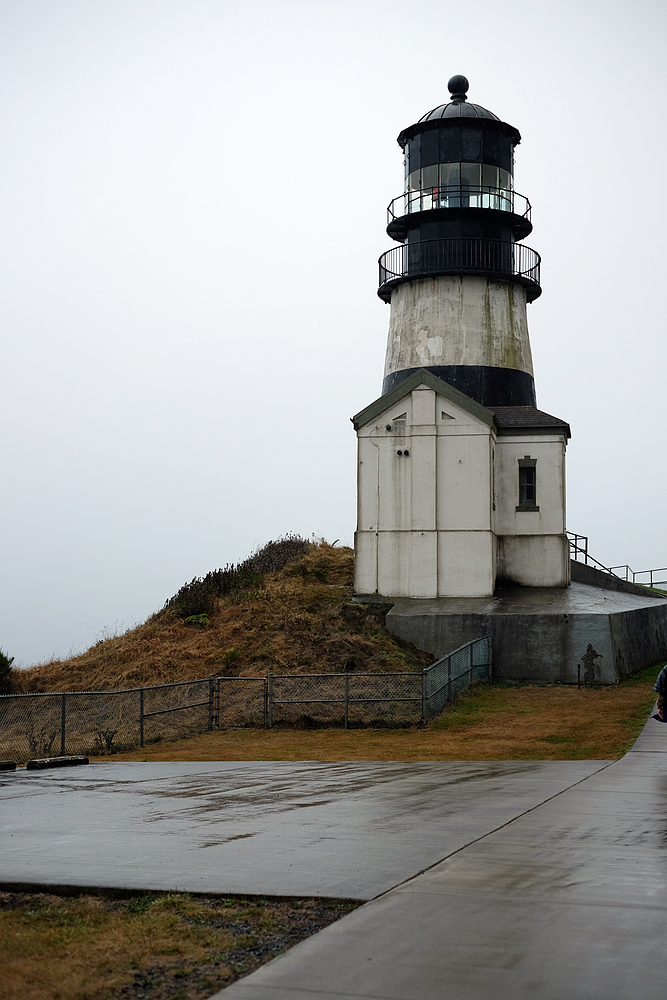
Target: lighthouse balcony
(489, 258)
(403, 212)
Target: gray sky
(192, 204)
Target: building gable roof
(422, 377)
(507, 419)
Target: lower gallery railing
(461, 255)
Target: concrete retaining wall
(545, 635)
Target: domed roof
(458, 106)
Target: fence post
(424, 676)
(347, 696)
(141, 717)
(489, 656)
(470, 658)
(449, 678)
(211, 695)
(266, 702)
(270, 701)
(62, 726)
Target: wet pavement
(485, 881)
(567, 900)
(349, 829)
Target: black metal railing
(579, 552)
(495, 258)
(458, 196)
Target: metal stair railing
(579, 547)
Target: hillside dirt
(300, 619)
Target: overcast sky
(192, 204)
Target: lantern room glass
(459, 185)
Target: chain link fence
(449, 676)
(376, 699)
(240, 702)
(106, 722)
(103, 722)
(350, 699)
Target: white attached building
(454, 496)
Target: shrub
(202, 621)
(6, 672)
(199, 596)
(230, 657)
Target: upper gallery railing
(458, 196)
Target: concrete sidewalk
(564, 901)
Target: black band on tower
(488, 386)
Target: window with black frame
(527, 484)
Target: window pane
(489, 176)
(450, 180)
(505, 184)
(450, 174)
(470, 174)
(430, 148)
(450, 145)
(430, 176)
(414, 180)
(527, 477)
(471, 143)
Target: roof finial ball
(458, 88)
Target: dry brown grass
(491, 722)
(158, 947)
(301, 620)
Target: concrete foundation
(544, 634)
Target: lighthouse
(461, 477)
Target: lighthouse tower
(461, 478)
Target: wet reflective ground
(349, 829)
(486, 881)
(566, 902)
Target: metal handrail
(459, 256)
(579, 546)
(458, 196)
(643, 572)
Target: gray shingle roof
(527, 418)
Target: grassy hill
(285, 609)
(288, 609)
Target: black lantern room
(459, 213)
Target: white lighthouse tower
(461, 478)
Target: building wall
(424, 520)
(549, 452)
(534, 560)
(437, 497)
(532, 545)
